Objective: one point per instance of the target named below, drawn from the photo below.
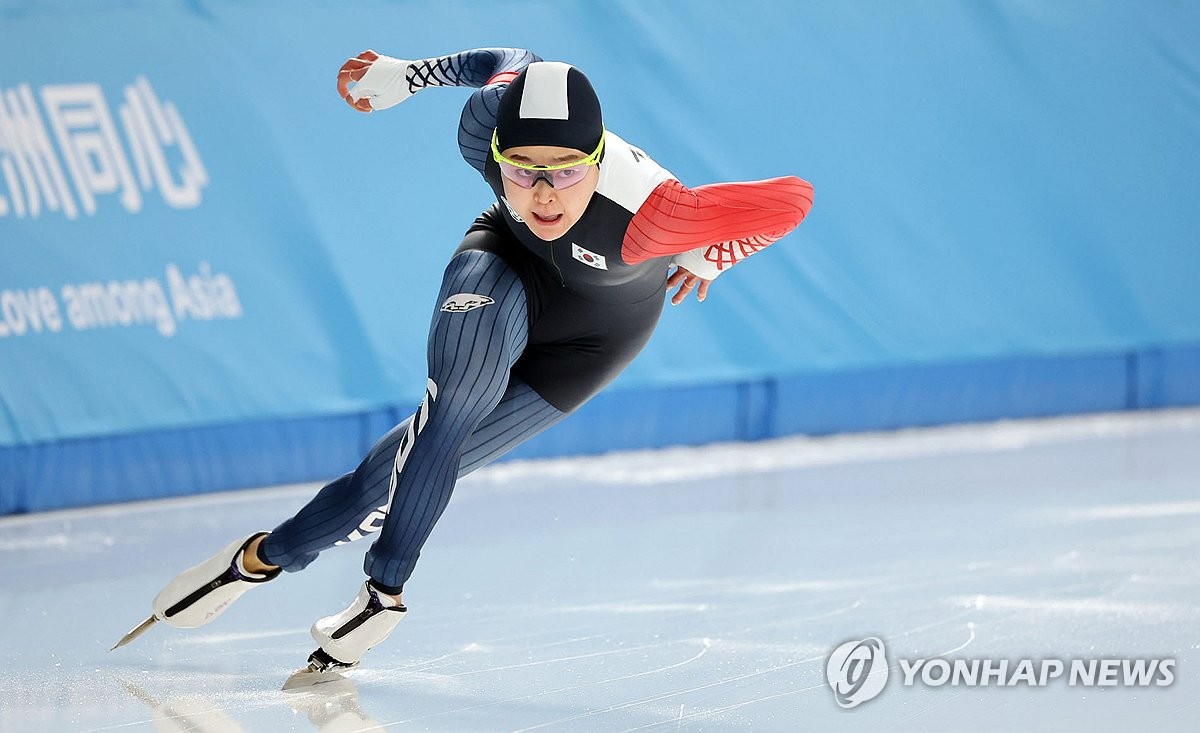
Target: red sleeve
(677, 219)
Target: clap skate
(343, 638)
(200, 594)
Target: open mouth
(540, 219)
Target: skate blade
(305, 678)
(135, 632)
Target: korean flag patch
(591, 259)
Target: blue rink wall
(214, 274)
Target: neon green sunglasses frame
(591, 159)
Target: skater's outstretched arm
(711, 228)
(383, 81)
(708, 229)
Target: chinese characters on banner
(66, 154)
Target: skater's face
(550, 210)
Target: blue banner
(160, 267)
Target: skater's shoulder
(628, 175)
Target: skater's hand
(686, 281)
(379, 81)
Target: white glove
(385, 83)
(694, 261)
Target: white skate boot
(200, 594)
(343, 638)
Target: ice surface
(697, 589)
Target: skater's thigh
(481, 324)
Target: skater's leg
(471, 353)
(475, 338)
(338, 509)
(355, 505)
(521, 414)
